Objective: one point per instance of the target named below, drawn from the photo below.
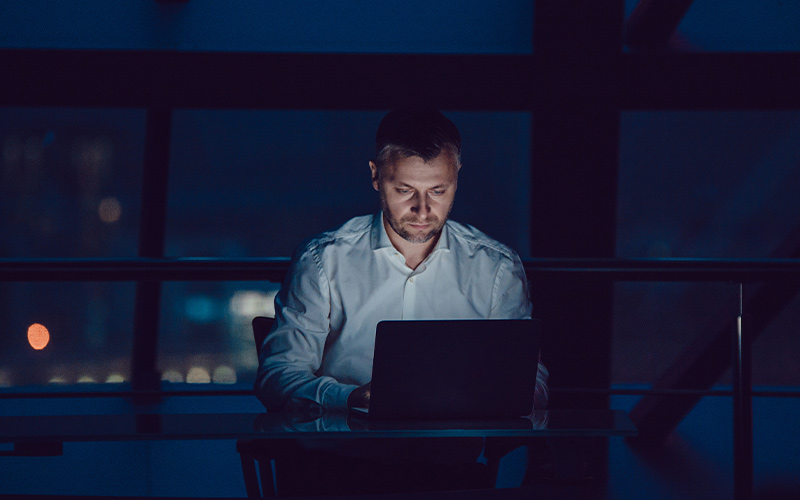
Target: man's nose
(421, 206)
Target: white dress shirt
(343, 282)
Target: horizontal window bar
(113, 78)
(124, 394)
(769, 393)
(275, 269)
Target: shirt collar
(379, 237)
(381, 240)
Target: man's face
(416, 197)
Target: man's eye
(404, 191)
(438, 192)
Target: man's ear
(374, 169)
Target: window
(70, 187)
(703, 185)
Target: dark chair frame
(258, 455)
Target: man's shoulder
(352, 230)
(477, 240)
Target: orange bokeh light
(38, 336)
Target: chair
(252, 452)
(261, 327)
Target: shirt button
(411, 280)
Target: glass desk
(22, 430)
(260, 436)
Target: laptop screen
(454, 369)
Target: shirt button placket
(409, 299)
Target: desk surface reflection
(153, 427)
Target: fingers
(359, 397)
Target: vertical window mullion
(144, 375)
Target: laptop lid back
(462, 369)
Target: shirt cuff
(335, 396)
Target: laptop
(454, 369)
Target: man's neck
(414, 253)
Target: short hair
(416, 131)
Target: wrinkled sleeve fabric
(292, 352)
(510, 300)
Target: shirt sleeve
(510, 300)
(292, 352)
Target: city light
(38, 336)
(201, 309)
(224, 375)
(115, 378)
(250, 303)
(198, 375)
(109, 210)
(173, 376)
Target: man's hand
(359, 398)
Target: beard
(399, 226)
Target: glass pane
(654, 323)
(707, 184)
(69, 187)
(738, 26)
(777, 347)
(65, 333)
(378, 26)
(703, 185)
(70, 182)
(206, 335)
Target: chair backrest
(261, 327)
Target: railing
(274, 269)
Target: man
(406, 262)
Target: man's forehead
(414, 167)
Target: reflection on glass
(317, 420)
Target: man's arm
(510, 300)
(292, 352)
